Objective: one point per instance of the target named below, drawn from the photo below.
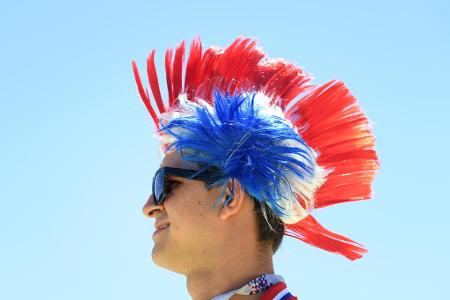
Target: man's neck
(228, 273)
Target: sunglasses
(161, 184)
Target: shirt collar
(254, 286)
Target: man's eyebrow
(175, 178)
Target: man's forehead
(174, 159)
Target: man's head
(258, 166)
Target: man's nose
(151, 208)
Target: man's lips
(160, 226)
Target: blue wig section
(246, 143)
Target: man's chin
(157, 256)
(162, 259)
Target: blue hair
(248, 141)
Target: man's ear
(235, 203)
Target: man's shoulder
(278, 291)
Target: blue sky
(77, 154)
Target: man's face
(192, 220)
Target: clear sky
(77, 153)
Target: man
(251, 147)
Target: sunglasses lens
(159, 187)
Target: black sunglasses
(161, 188)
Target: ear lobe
(235, 203)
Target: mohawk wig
(290, 144)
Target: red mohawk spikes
(177, 73)
(193, 68)
(153, 81)
(339, 131)
(328, 119)
(144, 95)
